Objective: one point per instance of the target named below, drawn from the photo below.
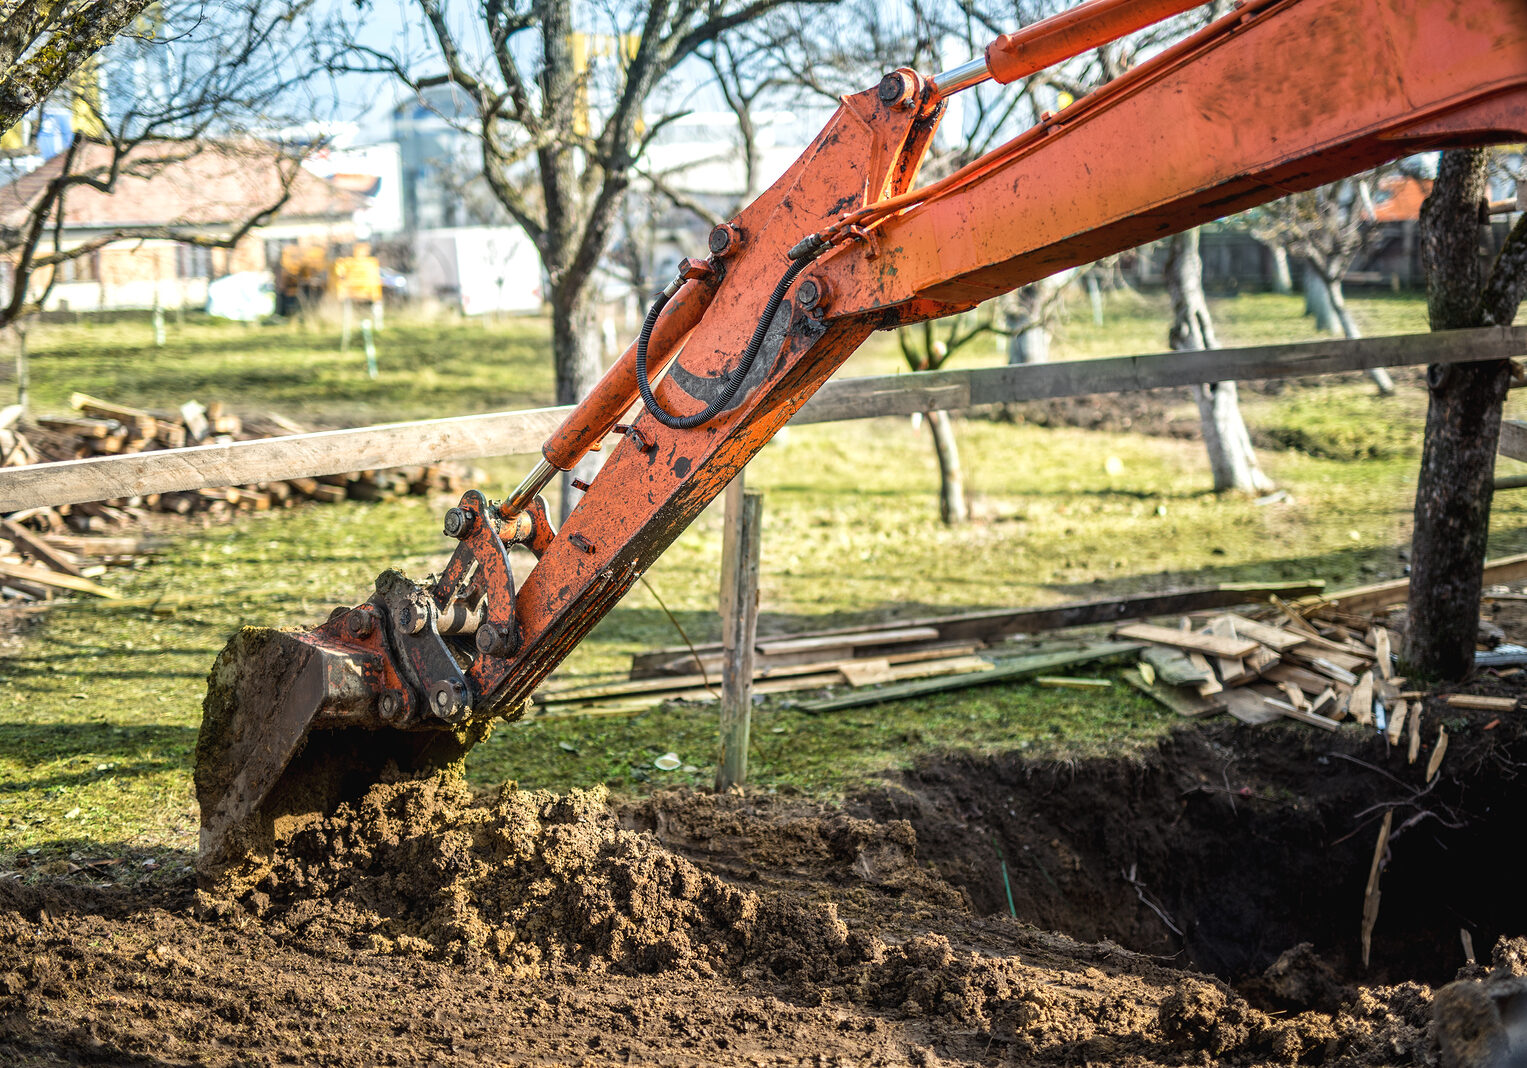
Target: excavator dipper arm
(1278, 96)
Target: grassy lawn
(100, 700)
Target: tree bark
(1028, 334)
(1349, 330)
(952, 508)
(576, 344)
(1456, 484)
(1232, 460)
(1317, 300)
(1283, 280)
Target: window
(193, 261)
(86, 268)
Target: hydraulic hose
(739, 373)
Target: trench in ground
(1249, 841)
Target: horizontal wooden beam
(860, 398)
(1513, 439)
(515, 433)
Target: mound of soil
(424, 924)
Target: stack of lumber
(902, 658)
(1288, 667)
(44, 551)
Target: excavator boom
(1276, 97)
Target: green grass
(426, 368)
(100, 700)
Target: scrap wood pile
(65, 548)
(905, 658)
(1259, 671)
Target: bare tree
(928, 347)
(1327, 228)
(1456, 484)
(559, 145)
(44, 43)
(221, 69)
(1231, 458)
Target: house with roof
(165, 195)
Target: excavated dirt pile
(424, 924)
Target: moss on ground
(99, 701)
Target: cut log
(35, 546)
(1415, 735)
(1396, 725)
(1382, 659)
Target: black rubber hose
(739, 373)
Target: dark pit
(1227, 847)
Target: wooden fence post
(739, 626)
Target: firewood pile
(46, 551)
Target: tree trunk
(1456, 483)
(1283, 280)
(951, 486)
(1231, 458)
(1350, 331)
(575, 344)
(1317, 300)
(1028, 336)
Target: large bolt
(725, 240)
(493, 640)
(411, 619)
(445, 699)
(895, 90)
(811, 293)
(458, 523)
(360, 623)
(390, 706)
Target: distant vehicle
(246, 297)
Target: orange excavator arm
(1276, 97)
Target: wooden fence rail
(513, 433)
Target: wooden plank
(740, 548)
(1396, 725)
(1190, 642)
(1347, 661)
(1275, 638)
(1361, 705)
(1382, 661)
(1248, 706)
(1371, 894)
(1180, 699)
(35, 546)
(1513, 439)
(991, 624)
(1012, 671)
(1066, 682)
(44, 577)
(1290, 712)
(1173, 667)
(951, 390)
(284, 458)
(867, 672)
(1381, 595)
(1481, 704)
(1435, 763)
(516, 433)
(786, 646)
(1415, 735)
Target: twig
(704, 676)
(1129, 877)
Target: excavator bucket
(278, 747)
